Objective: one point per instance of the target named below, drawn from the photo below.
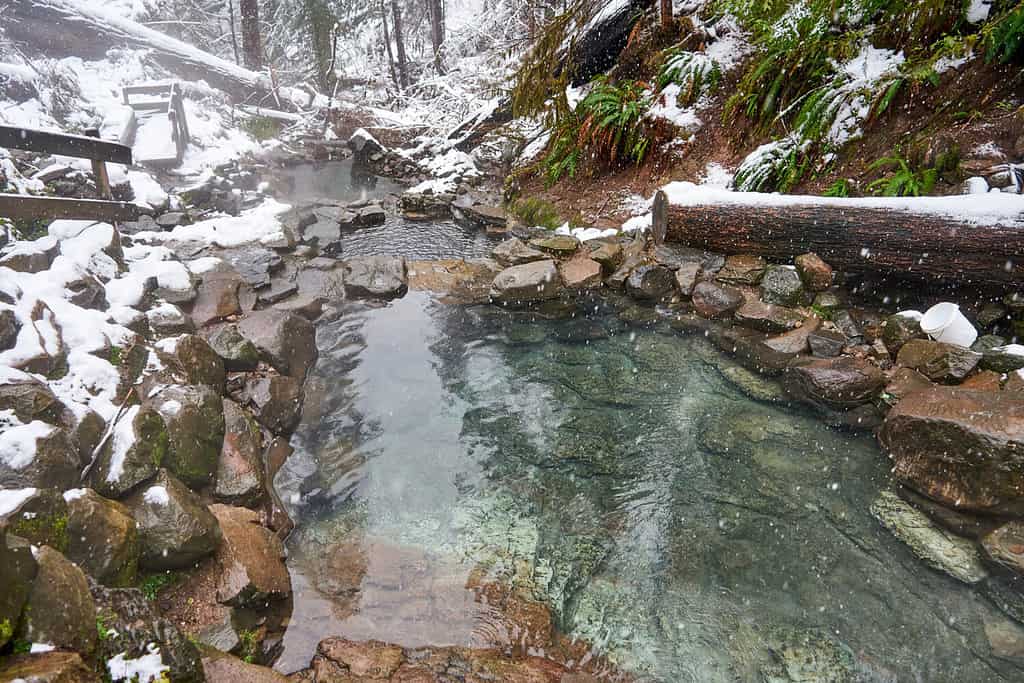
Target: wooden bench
(164, 105)
(89, 146)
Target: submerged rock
(382, 277)
(938, 548)
(537, 281)
(959, 447)
(175, 530)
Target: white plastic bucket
(945, 323)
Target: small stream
(616, 475)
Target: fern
(903, 180)
(694, 72)
(1004, 36)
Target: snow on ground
(10, 499)
(149, 668)
(255, 225)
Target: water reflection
(463, 472)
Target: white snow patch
(1011, 349)
(18, 444)
(11, 499)
(148, 668)
(40, 647)
(73, 494)
(122, 439)
(156, 495)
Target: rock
(753, 384)
(537, 281)
(986, 380)
(581, 273)
(251, 558)
(651, 283)
(168, 319)
(795, 341)
(191, 360)
(1005, 546)
(422, 206)
(938, 548)
(782, 285)
(286, 340)
(676, 256)
(175, 530)
(236, 352)
(1006, 638)
(17, 573)
(325, 235)
(276, 402)
(136, 448)
(171, 220)
(1003, 359)
(987, 342)
(87, 292)
(634, 255)
(60, 609)
(991, 313)
(253, 263)
(898, 329)
(608, 253)
(847, 326)
(31, 257)
(39, 516)
(372, 277)
(937, 361)
(102, 538)
(959, 447)
(767, 317)
(837, 383)
(826, 303)
(374, 214)
(195, 428)
(279, 290)
(216, 300)
(713, 300)
(687, 276)
(815, 273)
(38, 455)
(224, 668)
(556, 245)
(826, 343)
(370, 659)
(141, 632)
(515, 252)
(47, 667)
(9, 328)
(742, 270)
(240, 469)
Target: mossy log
(904, 238)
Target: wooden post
(99, 169)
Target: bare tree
(403, 63)
(252, 50)
(436, 10)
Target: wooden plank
(163, 88)
(156, 105)
(23, 206)
(46, 142)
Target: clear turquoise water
(685, 530)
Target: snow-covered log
(88, 29)
(598, 44)
(975, 239)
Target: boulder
(175, 530)
(556, 245)
(634, 255)
(29, 399)
(168, 319)
(287, 341)
(959, 447)
(937, 361)
(38, 455)
(40, 516)
(195, 429)
(903, 382)
(836, 383)
(240, 468)
(898, 329)
(224, 668)
(276, 401)
(515, 252)
(9, 328)
(47, 667)
(530, 282)
(687, 277)
(60, 609)
(254, 264)
(795, 341)
(713, 300)
(815, 273)
(251, 559)
(236, 352)
(141, 632)
(938, 548)
(742, 270)
(782, 285)
(675, 256)
(767, 317)
(651, 283)
(325, 235)
(102, 538)
(1003, 359)
(17, 573)
(216, 300)
(136, 448)
(986, 380)
(376, 277)
(31, 257)
(374, 214)
(366, 659)
(1005, 546)
(826, 343)
(190, 360)
(606, 252)
(581, 273)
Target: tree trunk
(252, 50)
(403, 65)
(666, 13)
(596, 49)
(387, 44)
(436, 9)
(41, 25)
(925, 240)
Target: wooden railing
(89, 146)
(170, 105)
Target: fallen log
(89, 30)
(976, 239)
